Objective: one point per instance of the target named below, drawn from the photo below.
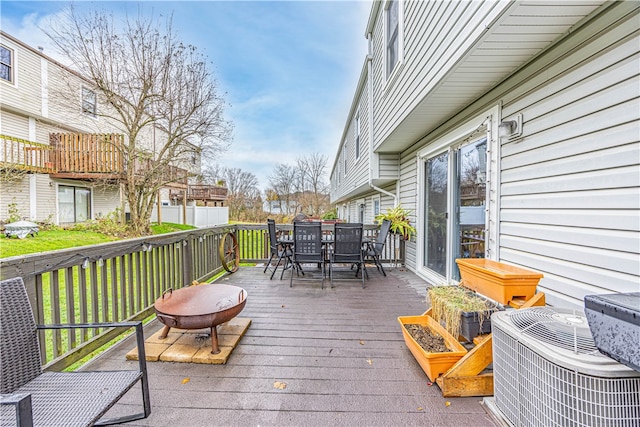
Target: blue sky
(289, 68)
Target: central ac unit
(548, 372)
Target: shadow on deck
(339, 351)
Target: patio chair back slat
(307, 242)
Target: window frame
(84, 102)
(75, 189)
(391, 37)
(10, 66)
(357, 135)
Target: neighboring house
(510, 130)
(279, 207)
(53, 146)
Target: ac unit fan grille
(562, 328)
(533, 389)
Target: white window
(89, 102)
(392, 35)
(357, 138)
(344, 158)
(376, 207)
(6, 64)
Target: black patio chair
(32, 397)
(307, 247)
(347, 249)
(374, 248)
(277, 250)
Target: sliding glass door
(435, 243)
(74, 204)
(455, 182)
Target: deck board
(339, 351)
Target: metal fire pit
(198, 307)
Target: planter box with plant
(400, 223)
(434, 362)
(462, 312)
(496, 280)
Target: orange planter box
(433, 364)
(496, 280)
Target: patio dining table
(287, 242)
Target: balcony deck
(340, 352)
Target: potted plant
(461, 311)
(400, 223)
(496, 280)
(434, 362)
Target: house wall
(436, 35)
(569, 188)
(106, 199)
(46, 98)
(18, 198)
(25, 94)
(14, 124)
(564, 196)
(568, 195)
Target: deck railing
(25, 155)
(120, 281)
(201, 192)
(87, 153)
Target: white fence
(198, 216)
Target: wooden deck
(339, 351)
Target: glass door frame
(483, 125)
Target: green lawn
(62, 239)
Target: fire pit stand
(199, 307)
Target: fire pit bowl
(198, 307)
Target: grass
(62, 239)
(449, 302)
(50, 241)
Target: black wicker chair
(374, 249)
(347, 249)
(307, 247)
(32, 397)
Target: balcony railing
(120, 281)
(201, 192)
(21, 154)
(87, 155)
(78, 156)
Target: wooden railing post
(187, 263)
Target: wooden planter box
(433, 364)
(496, 280)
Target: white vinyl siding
(45, 199)
(569, 195)
(436, 35)
(106, 199)
(14, 125)
(388, 166)
(19, 196)
(569, 205)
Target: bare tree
(283, 184)
(242, 190)
(158, 92)
(313, 185)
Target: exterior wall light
(511, 129)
